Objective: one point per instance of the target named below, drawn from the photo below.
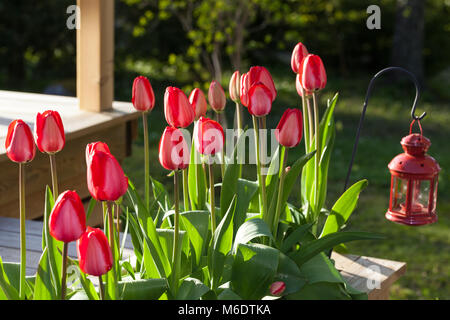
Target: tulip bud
(177, 109)
(68, 219)
(49, 132)
(105, 178)
(143, 98)
(243, 90)
(277, 288)
(234, 86)
(289, 130)
(261, 74)
(208, 136)
(313, 75)
(216, 96)
(260, 100)
(298, 54)
(198, 101)
(19, 143)
(173, 150)
(94, 252)
(299, 87)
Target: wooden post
(95, 55)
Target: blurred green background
(188, 43)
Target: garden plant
(219, 236)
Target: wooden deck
(363, 273)
(116, 126)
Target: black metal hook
(368, 94)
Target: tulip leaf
(8, 291)
(90, 208)
(290, 274)
(254, 269)
(246, 190)
(249, 230)
(197, 181)
(312, 248)
(43, 288)
(295, 237)
(196, 224)
(191, 289)
(143, 289)
(343, 208)
(228, 294)
(221, 245)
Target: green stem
(212, 199)
(280, 193)
(101, 288)
(261, 182)
(262, 167)
(175, 262)
(317, 156)
(112, 243)
(146, 161)
(54, 175)
(306, 118)
(23, 248)
(310, 120)
(64, 271)
(185, 190)
(239, 118)
(118, 231)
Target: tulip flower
(19, 142)
(198, 101)
(173, 150)
(49, 132)
(143, 98)
(234, 86)
(20, 148)
(259, 100)
(261, 74)
(216, 96)
(177, 109)
(300, 90)
(209, 136)
(68, 219)
(67, 223)
(105, 177)
(277, 288)
(313, 75)
(94, 254)
(243, 90)
(289, 129)
(298, 54)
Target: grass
(426, 248)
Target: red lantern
(414, 183)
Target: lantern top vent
(415, 144)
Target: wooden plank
(95, 55)
(371, 275)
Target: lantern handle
(363, 113)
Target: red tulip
(313, 75)
(216, 96)
(68, 219)
(105, 177)
(19, 143)
(143, 97)
(299, 87)
(259, 100)
(177, 109)
(49, 132)
(277, 288)
(234, 86)
(173, 150)
(94, 252)
(261, 74)
(209, 137)
(298, 54)
(243, 90)
(198, 101)
(289, 130)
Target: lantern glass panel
(420, 196)
(433, 207)
(399, 189)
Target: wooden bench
(362, 273)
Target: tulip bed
(249, 243)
